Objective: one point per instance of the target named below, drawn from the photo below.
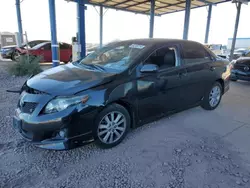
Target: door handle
(182, 74)
(212, 68)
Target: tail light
(231, 66)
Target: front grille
(240, 67)
(28, 107)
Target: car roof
(157, 41)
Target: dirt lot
(191, 149)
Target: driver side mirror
(149, 68)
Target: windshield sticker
(137, 46)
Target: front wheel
(15, 56)
(111, 126)
(213, 97)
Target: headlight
(61, 103)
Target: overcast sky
(122, 25)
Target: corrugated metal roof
(143, 6)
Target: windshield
(115, 58)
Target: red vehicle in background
(44, 50)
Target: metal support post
(19, 21)
(81, 27)
(208, 22)
(235, 30)
(101, 25)
(186, 21)
(54, 44)
(152, 17)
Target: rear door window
(195, 53)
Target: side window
(47, 46)
(195, 53)
(164, 57)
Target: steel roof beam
(166, 6)
(147, 1)
(193, 8)
(147, 12)
(122, 3)
(122, 9)
(204, 1)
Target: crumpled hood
(7, 47)
(68, 80)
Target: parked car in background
(118, 87)
(44, 50)
(13, 52)
(217, 49)
(241, 52)
(240, 69)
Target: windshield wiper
(92, 67)
(98, 67)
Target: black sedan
(118, 87)
(241, 69)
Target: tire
(109, 134)
(15, 56)
(207, 102)
(12, 56)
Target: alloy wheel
(112, 127)
(16, 56)
(214, 96)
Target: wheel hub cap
(111, 127)
(214, 96)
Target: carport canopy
(147, 7)
(144, 6)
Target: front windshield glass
(115, 57)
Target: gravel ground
(159, 154)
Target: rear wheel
(111, 126)
(213, 97)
